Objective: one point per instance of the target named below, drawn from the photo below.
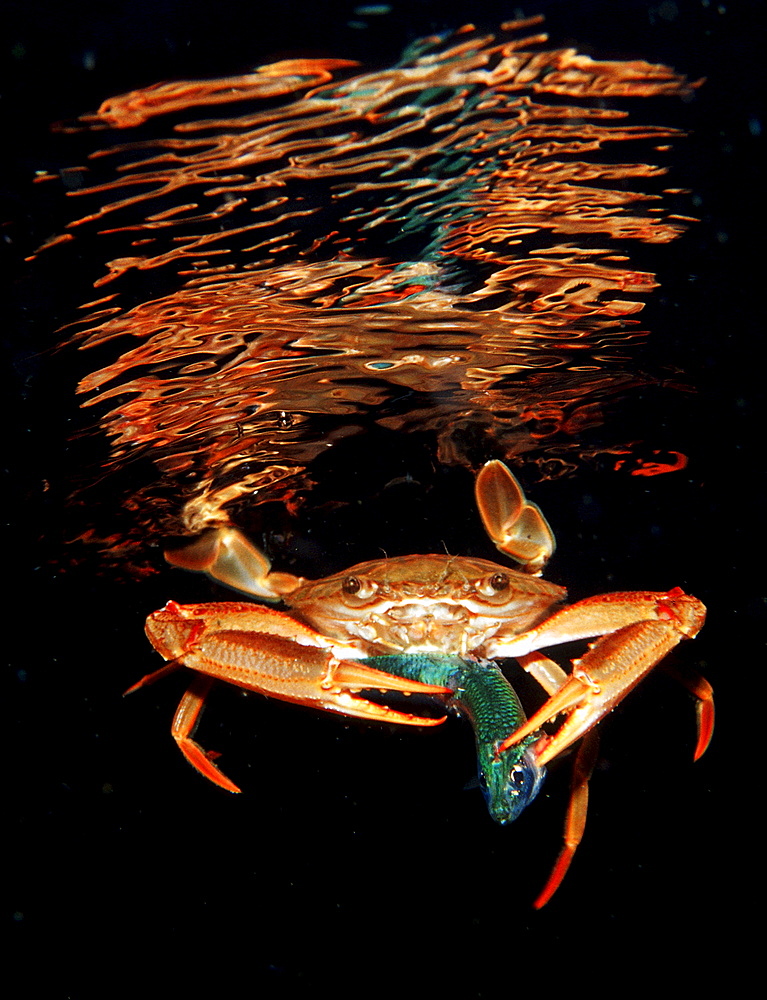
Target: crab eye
(351, 585)
(499, 581)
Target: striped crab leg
(262, 650)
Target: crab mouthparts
(424, 627)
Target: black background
(354, 859)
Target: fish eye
(518, 776)
(499, 581)
(351, 585)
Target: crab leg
(575, 822)
(516, 526)
(704, 706)
(227, 556)
(553, 679)
(641, 629)
(184, 723)
(263, 650)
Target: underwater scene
(401, 325)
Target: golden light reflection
(441, 245)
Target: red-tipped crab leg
(184, 724)
(575, 822)
(263, 650)
(704, 705)
(642, 627)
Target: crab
(314, 651)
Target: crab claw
(516, 526)
(613, 666)
(262, 650)
(265, 651)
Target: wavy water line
(438, 245)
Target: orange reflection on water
(428, 247)
(276, 80)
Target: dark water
(355, 851)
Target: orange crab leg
(157, 675)
(600, 680)
(642, 628)
(265, 651)
(704, 706)
(575, 822)
(607, 613)
(554, 681)
(552, 677)
(227, 556)
(516, 526)
(184, 723)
